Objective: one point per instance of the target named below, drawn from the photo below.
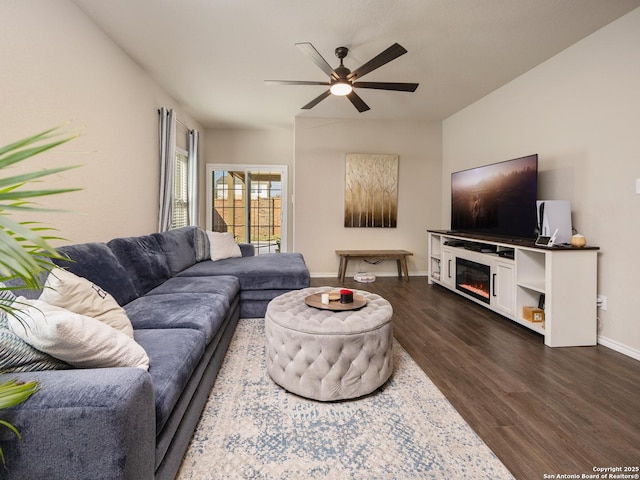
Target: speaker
(552, 215)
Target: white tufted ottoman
(327, 355)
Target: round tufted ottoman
(327, 355)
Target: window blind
(181, 186)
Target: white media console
(508, 275)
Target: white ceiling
(214, 55)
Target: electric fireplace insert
(474, 279)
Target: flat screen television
(497, 199)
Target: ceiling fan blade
(318, 59)
(316, 100)
(391, 53)
(399, 87)
(358, 102)
(294, 82)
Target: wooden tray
(315, 301)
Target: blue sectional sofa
(127, 423)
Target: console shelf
(560, 279)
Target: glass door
(247, 200)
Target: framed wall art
(371, 190)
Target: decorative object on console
(578, 240)
(533, 314)
(371, 190)
(541, 301)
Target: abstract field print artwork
(371, 190)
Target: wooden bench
(399, 256)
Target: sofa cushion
(247, 249)
(223, 245)
(204, 312)
(280, 271)
(224, 285)
(178, 248)
(259, 295)
(173, 356)
(143, 260)
(78, 340)
(97, 263)
(253, 303)
(65, 289)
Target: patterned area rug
(252, 429)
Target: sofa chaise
(126, 422)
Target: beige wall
(320, 149)
(580, 111)
(261, 147)
(57, 66)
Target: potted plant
(25, 250)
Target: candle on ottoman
(346, 296)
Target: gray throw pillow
(201, 245)
(16, 355)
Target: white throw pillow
(67, 290)
(223, 245)
(79, 340)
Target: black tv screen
(497, 199)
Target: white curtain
(167, 137)
(194, 211)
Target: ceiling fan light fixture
(341, 88)
(342, 81)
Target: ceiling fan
(342, 80)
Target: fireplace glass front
(473, 279)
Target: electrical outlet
(601, 302)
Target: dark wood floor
(541, 410)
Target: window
(181, 190)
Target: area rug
(252, 429)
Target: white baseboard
(323, 275)
(619, 347)
(377, 274)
